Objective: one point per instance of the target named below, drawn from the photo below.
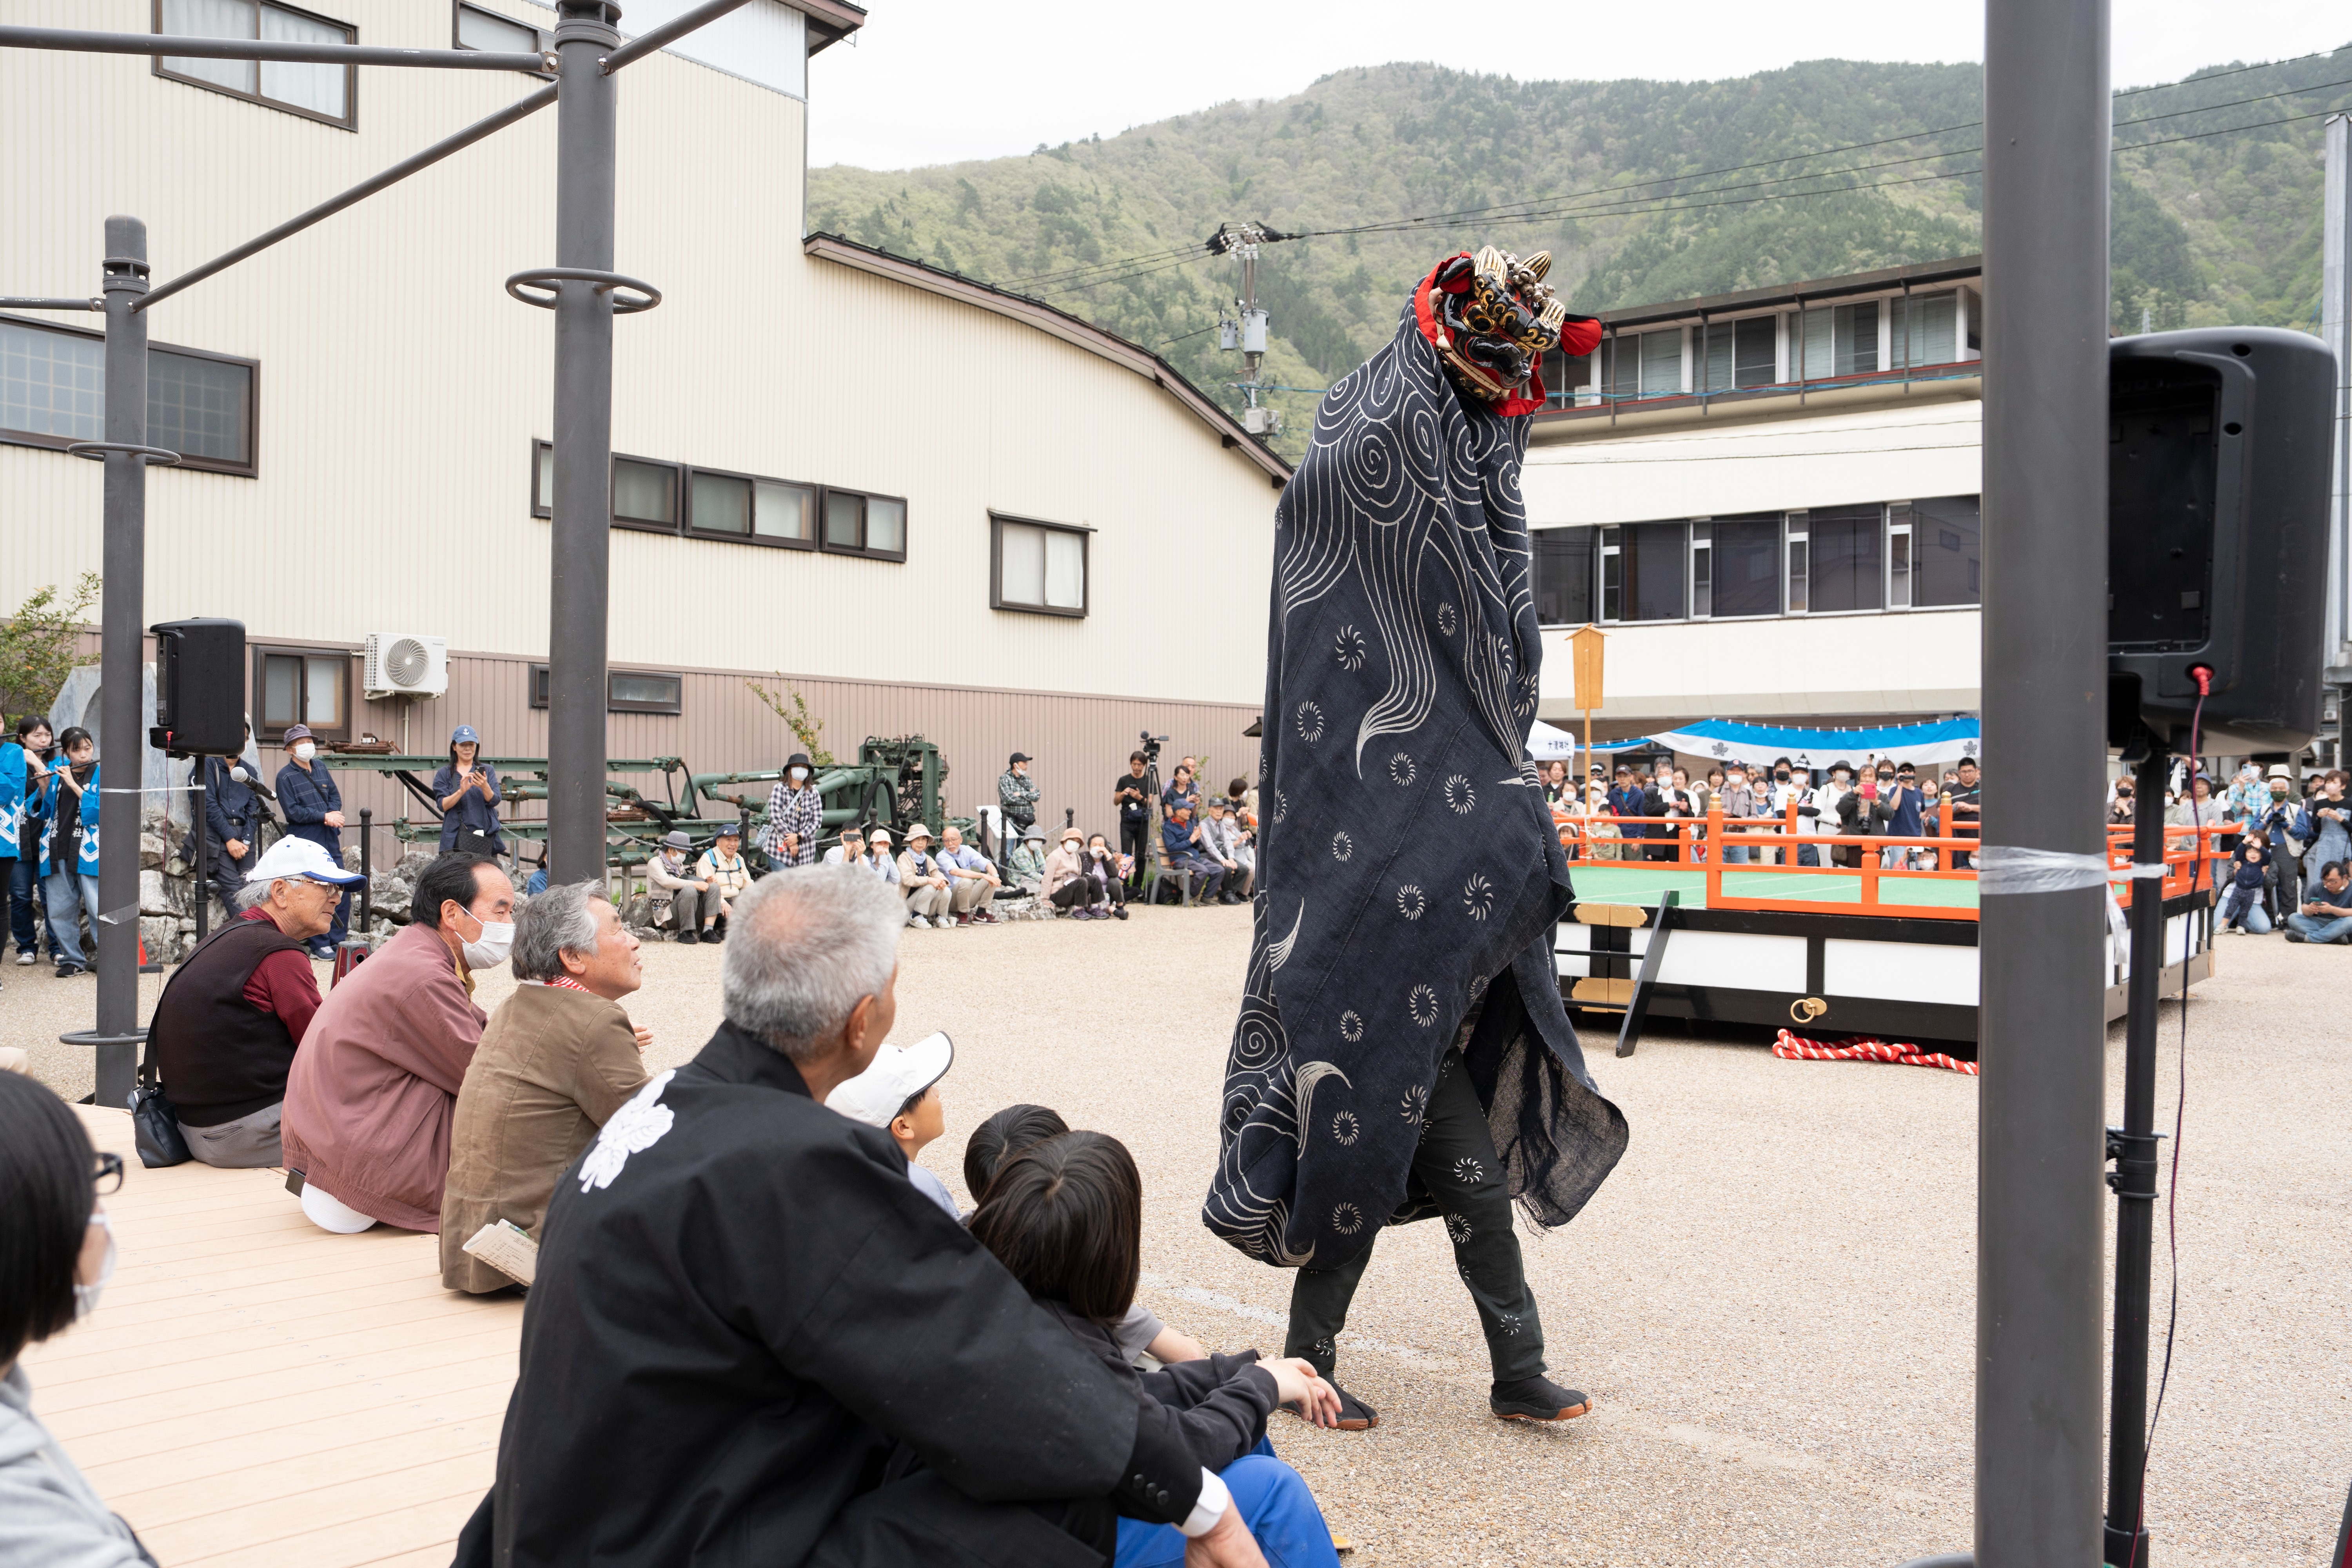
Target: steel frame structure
(585, 294)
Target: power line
(1613, 195)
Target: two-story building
(1769, 500)
(921, 504)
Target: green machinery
(896, 780)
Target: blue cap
(463, 733)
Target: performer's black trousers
(1135, 839)
(1456, 1162)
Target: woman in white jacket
(57, 1250)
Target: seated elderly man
(558, 1059)
(1221, 838)
(374, 1086)
(972, 880)
(235, 1010)
(752, 1341)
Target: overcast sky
(935, 81)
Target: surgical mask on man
(304, 750)
(489, 949)
(86, 1296)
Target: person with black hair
(467, 789)
(751, 1340)
(1066, 1218)
(1131, 793)
(57, 1253)
(1017, 1127)
(374, 1088)
(70, 851)
(26, 762)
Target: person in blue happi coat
(70, 849)
(314, 810)
(467, 789)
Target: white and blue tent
(1728, 740)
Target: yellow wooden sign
(1584, 654)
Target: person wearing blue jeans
(70, 849)
(2242, 905)
(2326, 912)
(1738, 808)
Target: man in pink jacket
(374, 1088)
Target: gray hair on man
(804, 948)
(560, 921)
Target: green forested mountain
(1643, 191)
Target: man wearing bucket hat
(679, 892)
(314, 810)
(467, 789)
(235, 1010)
(923, 882)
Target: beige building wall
(401, 388)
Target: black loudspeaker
(199, 689)
(2218, 446)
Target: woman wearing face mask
(796, 815)
(314, 810)
(57, 1251)
(467, 789)
(1107, 887)
(69, 850)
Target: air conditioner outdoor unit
(404, 664)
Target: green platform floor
(1601, 882)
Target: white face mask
(304, 750)
(86, 1296)
(489, 949)
(800, 776)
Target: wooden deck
(254, 1391)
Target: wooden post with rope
(1584, 658)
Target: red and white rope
(1796, 1047)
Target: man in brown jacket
(558, 1058)
(369, 1099)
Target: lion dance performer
(1401, 1052)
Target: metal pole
(2040, 1142)
(454, 142)
(200, 830)
(121, 729)
(581, 535)
(2135, 1177)
(367, 870)
(193, 48)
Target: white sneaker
(25, 959)
(917, 921)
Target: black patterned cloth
(1409, 875)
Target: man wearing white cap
(901, 1094)
(234, 1013)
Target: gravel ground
(1770, 1300)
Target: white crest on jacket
(635, 1127)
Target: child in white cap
(900, 1092)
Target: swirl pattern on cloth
(1402, 647)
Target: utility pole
(2041, 1136)
(1246, 332)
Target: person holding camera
(467, 789)
(1131, 793)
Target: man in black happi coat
(752, 1341)
(1401, 1052)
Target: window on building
(1923, 329)
(1946, 551)
(301, 686)
(1737, 354)
(747, 506)
(1800, 563)
(1612, 575)
(1847, 554)
(53, 393)
(1563, 565)
(1662, 363)
(1899, 558)
(1619, 358)
(543, 478)
(1747, 566)
(625, 691)
(1840, 340)
(1650, 571)
(476, 28)
(321, 93)
(644, 494)
(861, 524)
(1702, 570)
(1039, 567)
